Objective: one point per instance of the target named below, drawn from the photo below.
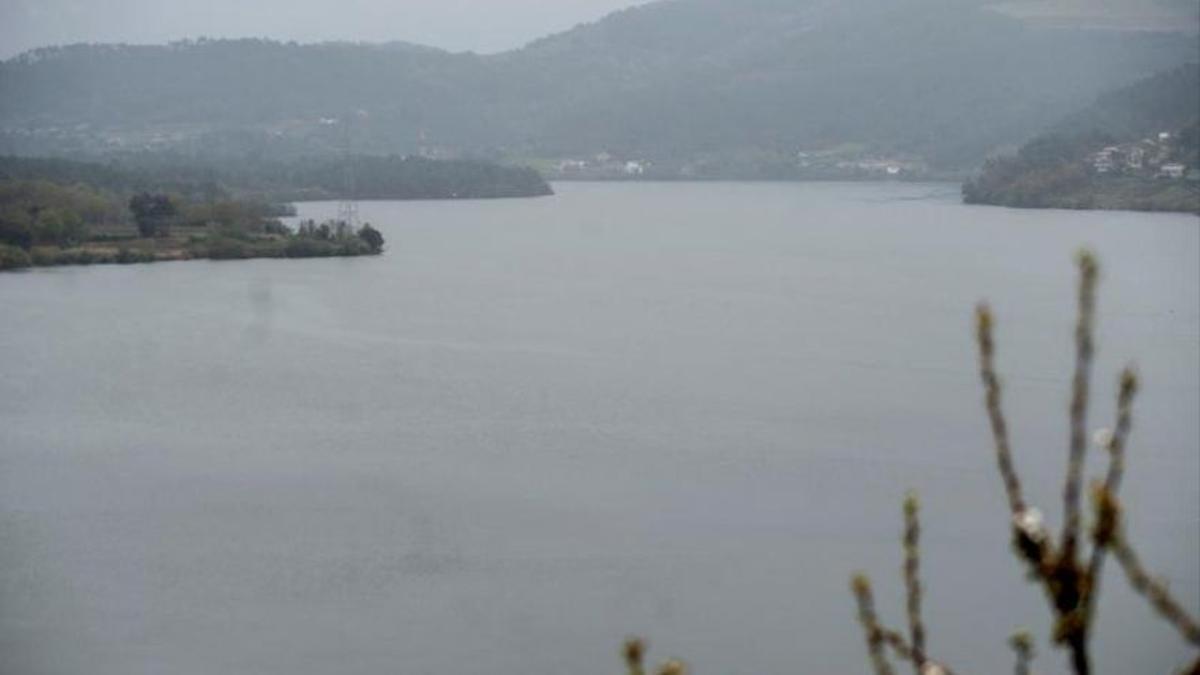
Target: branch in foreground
(1106, 494)
(672, 667)
(634, 651)
(1022, 643)
(912, 580)
(861, 586)
(877, 635)
(1154, 590)
(1059, 572)
(1088, 273)
(992, 400)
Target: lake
(533, 427)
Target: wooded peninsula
(60, 212)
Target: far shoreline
(957, 183)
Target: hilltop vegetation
(379, 177)
(390, 177)
(1137, 147)
(736, 87)
(1166, 100)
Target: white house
(1172, 170)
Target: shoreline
(174, 249)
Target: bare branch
(634, 652)
(1155, 591)
(1088, 273)
(1116, 447)
(861, 586)
(912, 580)
(904, 652)
(992, 396)
(898, 644)
(1105, 496)
(878, 636)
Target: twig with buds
(1022, 643)
(1071, 587)
(878, 636)
(634, 652)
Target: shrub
(126, 256)
(276, 227)
(12, 258)
(224, 248)
(43, 256)
(153, 213)
(305, 247)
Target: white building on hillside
(1172, 170)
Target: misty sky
(480, 25)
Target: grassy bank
(197, 243)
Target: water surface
(532, 427)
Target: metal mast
(348, 204)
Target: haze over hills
(1165, 15)
(1169, 100)
(678, 83)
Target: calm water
(533, 427)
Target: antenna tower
(348, 204)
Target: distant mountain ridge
(945, 81)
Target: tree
(153, 213)
(59, 227)
(16, 226)
(372, 237)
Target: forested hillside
(1137, 147)
(359, 177)
(938, 83)
(1166, 100)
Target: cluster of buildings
(853, 164)
(842, 163)
(1147, 157)
(602, 164)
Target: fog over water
(533, 427)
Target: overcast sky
(480, 25)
